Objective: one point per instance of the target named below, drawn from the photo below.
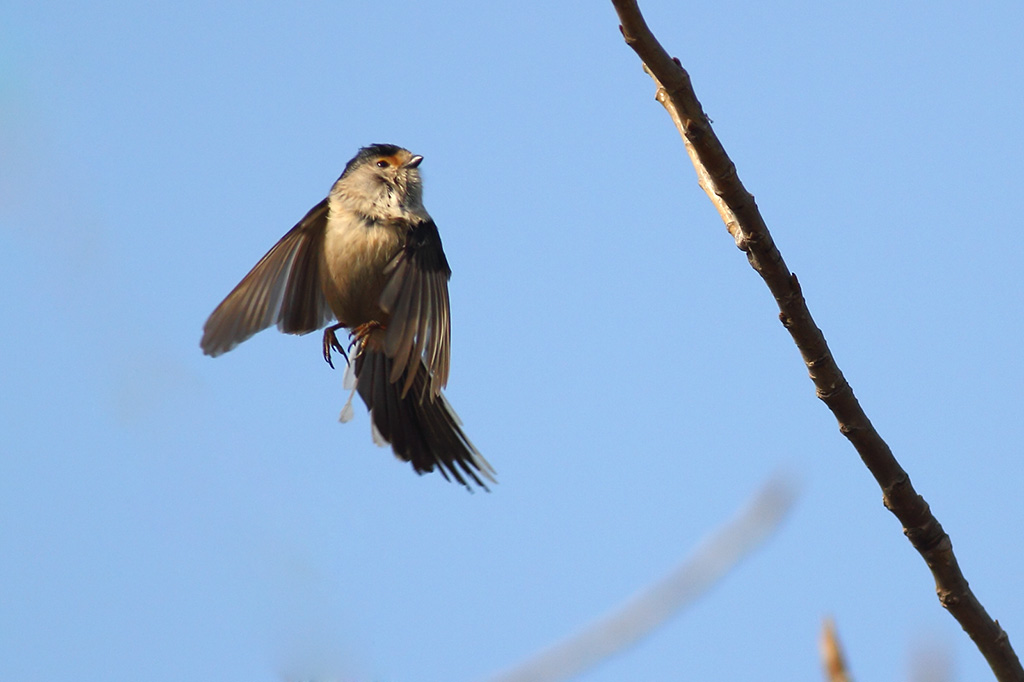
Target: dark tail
(421, 429)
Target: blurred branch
(717, 176)
(931, 661)
(832, 654)
(652, 607)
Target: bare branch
(717, 176)
(652, 607)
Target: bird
(369, 259)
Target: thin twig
(717, 176)
(715, 557)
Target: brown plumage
(369, 256)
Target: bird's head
(382, 181)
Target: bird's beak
(414, 162)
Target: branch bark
(717, 176)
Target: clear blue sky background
(167, 516)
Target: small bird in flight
(368, 256)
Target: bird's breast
(355, 253)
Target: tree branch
(711, 560)
(717, 176)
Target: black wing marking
(283, 288)
(416, 297)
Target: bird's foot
(331, 341)
(361, 333)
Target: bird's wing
(416, 298)
(284, 288)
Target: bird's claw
(331, 341)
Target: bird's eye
(382, 164)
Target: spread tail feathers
(422, 429)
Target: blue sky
(167, 516)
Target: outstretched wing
(284, 288)
(416, 298)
